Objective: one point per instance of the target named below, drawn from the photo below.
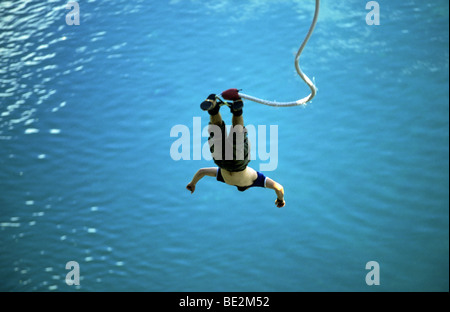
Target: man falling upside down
(231, 152)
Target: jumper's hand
(280, 203)
(191, 187)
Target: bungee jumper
(230, 151)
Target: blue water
(86, 172)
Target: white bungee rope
(299, 71)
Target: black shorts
(229, 151)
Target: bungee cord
(305, 78)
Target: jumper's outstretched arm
(211, 172)
(278, 189)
